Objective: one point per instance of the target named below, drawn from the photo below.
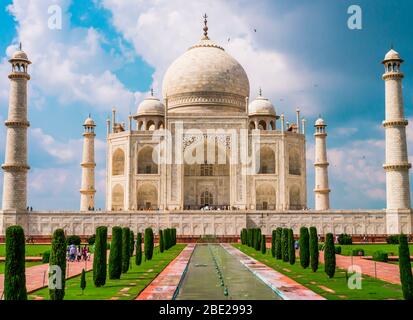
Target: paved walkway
(37, 277)
(164, 286)
(381, 270)
(285, 287)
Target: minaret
(87, 191)
(321, 191)
(15, 166)
(397, 163)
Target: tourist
(296, 245)
(72, 251)
(79, 254)
(84, 253)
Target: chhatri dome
(206, 79)
(261, 106)
(151, 106)
(89, 122)
(392, 55)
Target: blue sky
(111, 52)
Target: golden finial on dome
(260, 92)
(20, 46)
(151, 92)
(205, 27)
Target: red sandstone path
(163, 287)
(37, 277)
(384, 271)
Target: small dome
(261, 106)
(19, 55)
(320, 122)
(392, 55)
(89, 122)
(151, 106)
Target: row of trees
(167, 239)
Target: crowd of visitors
(78, 253)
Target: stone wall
(195, 223)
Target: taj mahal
(208, 158)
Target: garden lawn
(332, 289)
(28, 264)
(369, 249)
(127, 288)
(32, 250)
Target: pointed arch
(118, 196)
(146, 163)
(118, 162)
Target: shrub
(278, 245)
(304, 247)
(393, 239)
(115, 255)
(405, 268)
(91, 240)
(314, 248)
(125, 249)
(161, 241)
(249, 237)
(73, 240)
(258, 239)
(83, 281)
(329, 256)
(173, 230)
(254, 237)
(132, 243)
(273, 235)
(244, 236)
(284, 245)
(321, 246)
(58, 258)
(263, 244)
(148, 244)
(291, 248)
(380, 256)
(357, 252)
(138, 258)
(46, 257)
(100, 257)
(337, 249)
(344, 238)
(14, 269)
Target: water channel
(214, 274)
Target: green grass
(137, 278)
(32, 250)
(372, 289)
(369, 249)
(28, 264)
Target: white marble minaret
(15, 166)
(321, 191)
(397, 163)
(87, 191)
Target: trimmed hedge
(138, 257)
(125, 249)
(337, 249)
(132, 243)
(58, 258)
(161, 241)
(257, 239)
(173, 231)
(344, 238)
(304, 247)
(284, 245)
(314, 248)
(393, 239)
(380, 256)
(100, 257)
(291, 248)
(278, 245)
(263, 244)
(148, 244)
(115, 255)
(91, 240)
(46, 257)
(14, 269)
(329, 256)
(405, 268)
(357, 252)
(273, 234)
(73, 239)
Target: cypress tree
(125, 249)
(168, 238)
(14, 272)
(132, 243)
(161, 241)
(100, 256)
(148, 244)
(329, 256)
(174, 236)
(258, 240)
(263, 244)
(284, 245)
(405, 268)
(273, 234)
(58, 258)
(115, 256)
(278, 246)
(314, 249)
(304, 247)
(291, 248)
(138, 258)
(83, 281)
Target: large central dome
(206, 79)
